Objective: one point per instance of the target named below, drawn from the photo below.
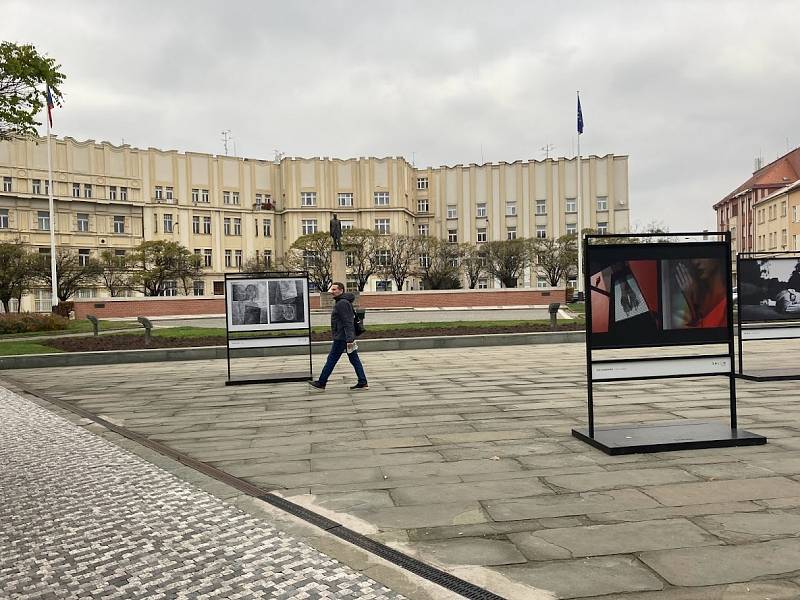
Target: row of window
(771, 212)
(343, 199)
(769, 241)
(571, 206)
(233, 258)
(81, 222)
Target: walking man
(344, 338)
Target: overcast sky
(692, 91)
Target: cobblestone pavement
(465, 459)
(82, 518)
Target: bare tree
(115, 272)
(16, 272)
(438, 264)
(506, 260)
(402, 257)
(473, 263)
(312, 253)
(362, 247)
(73, 272)
(556, 258)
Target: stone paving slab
(468, 453)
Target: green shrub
(26, 322)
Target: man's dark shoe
(317, 384)
(360, 386)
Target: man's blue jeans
(337, 349)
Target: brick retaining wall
(183, 305)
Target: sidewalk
(83, 518)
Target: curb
(80, 359)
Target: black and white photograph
(263, 304)
(769, 289)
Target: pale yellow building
(231, 209)
(777, 219)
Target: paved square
(465, 459)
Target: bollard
(552, 308)
(95, 324)
(147, 327)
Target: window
(195, 224)
(452, 212)
(155, 223)
(452, 236)
(167, 222)
(541, 231)
(602, 203)
(42, 300)
(349, 258)
(422, 183)
(309, 226)
(784, 238)
(344, 199)
(170, 288)
(309, 258)
(199, 287)
(169, 194)
(383, 286)
(207, 225)
(226, 226)
(112, 192)
(481, 234)
(3, 218)
(84, 254)
(480, 210)
(347, 225)
(308, 198)
(511, 209)
(228, 258)
(423, 230)
(422, 206)
(382, 257)
(237, 258)
(76, 190)
(541, 207)
(268, 258)
(226, 197)
(783, 208)
(6, 184)
(572, 205)
(237, 226)
(602, 227)
(204, 196)
(46, 187)
(159, 192)
(267, 224)
(36, 186)
(382, 226)
(235, 197)
(511, 233)
(195, 200)
(119, 224)
(207, 258)
(424, 261)
(219, 288)
(43, 220)
(796, 213)
(123, 193)
(541, 282)
(119, 252)
(483, 284)
(381, 198)
(572, 229)
(83, 222)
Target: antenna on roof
(226, 136)
(547, 148)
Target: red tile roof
(777, 174)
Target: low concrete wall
(215, 305)
(80, 359)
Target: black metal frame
(706, 435)
(775, 376)
(288, 377)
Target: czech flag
(50, 106)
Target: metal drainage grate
(437, 576)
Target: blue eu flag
(580, 117)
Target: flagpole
(579, 201)
(53, 274)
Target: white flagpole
(579, 201)
(54, 286)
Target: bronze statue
(336, 233)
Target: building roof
(778, 173)
(789, 188)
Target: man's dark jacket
(342, 318)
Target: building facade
(777, 219)
(230, 209)
(737, 211)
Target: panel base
(283, 378)
(769, 375)
(665, 437)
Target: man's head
(334, 216)
(337, 289)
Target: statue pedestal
(339, 266)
